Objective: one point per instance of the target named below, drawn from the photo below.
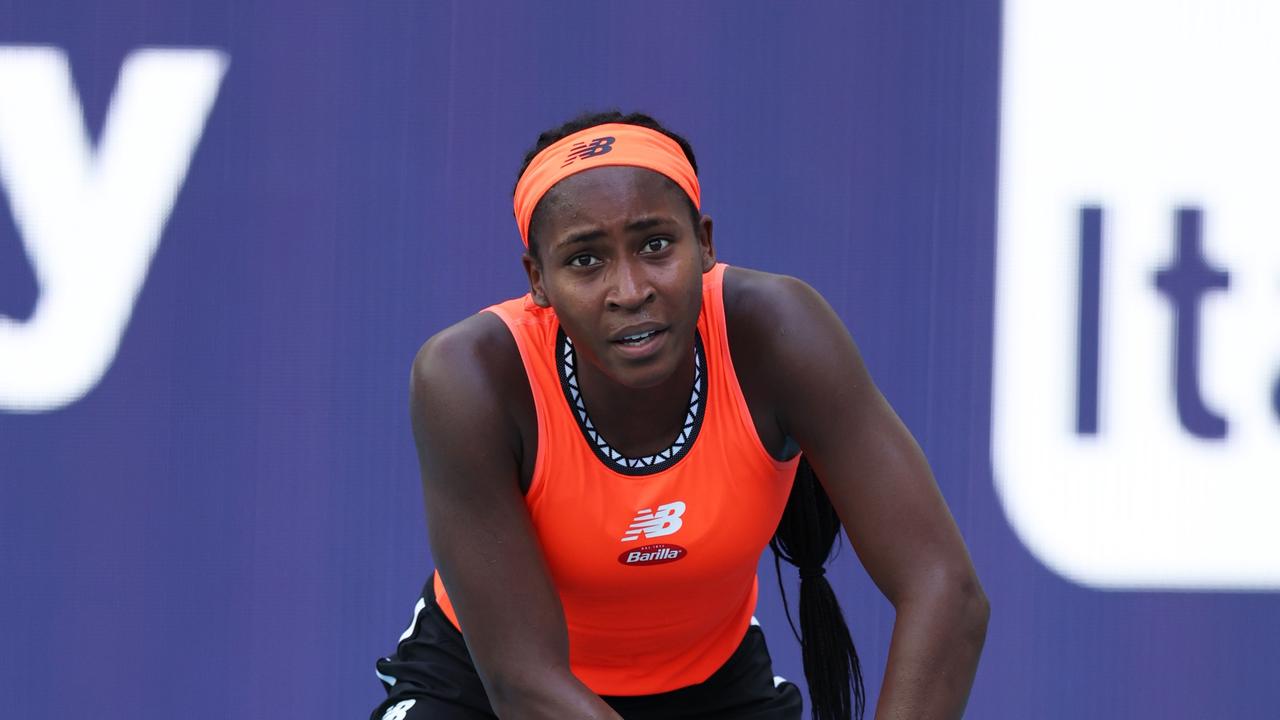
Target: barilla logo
(584, 150)
(652, 554)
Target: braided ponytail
(805, 538)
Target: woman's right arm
(482, 539)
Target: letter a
(90, 221)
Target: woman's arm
(882, 488)
(482, 539)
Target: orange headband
(598, 146)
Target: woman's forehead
(608, 190)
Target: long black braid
(806, 537)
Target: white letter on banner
(90, 222)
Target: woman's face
(621, 262)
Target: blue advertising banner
(226, 228)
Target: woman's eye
(655, 244)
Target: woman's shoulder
(468, 391)
(774, 322)
(476, 357)
(481, 339)
(767, 304)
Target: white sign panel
(1136, 408)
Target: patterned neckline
(567, 364)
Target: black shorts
(432, 676)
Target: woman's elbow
(969, 606)
(957, 594)
(977, 612)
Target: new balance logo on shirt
(650, 523)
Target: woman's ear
(533, 268)
(707, 247)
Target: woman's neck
(638, 421)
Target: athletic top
(654, 557)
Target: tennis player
(605, 458)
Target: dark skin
(618, 250)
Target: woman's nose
(630, 288)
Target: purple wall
(229, 523)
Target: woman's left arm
(882, 488)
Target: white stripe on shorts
(777, 679)
(413, 625)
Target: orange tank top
(655, 557)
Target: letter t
(1184, 283)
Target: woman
(604, 460)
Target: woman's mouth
(641, 344)
(637, 338)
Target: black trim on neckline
(566, 367)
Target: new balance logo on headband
(656, 523)
(584, 150)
